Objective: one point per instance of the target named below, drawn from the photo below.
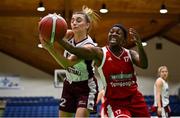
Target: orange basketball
(52, 27)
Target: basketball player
(80, 86)
(161, 93)
(115, 64)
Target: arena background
(35, 82)
(32, 68)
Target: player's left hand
(134, 36)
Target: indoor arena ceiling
(19, 24)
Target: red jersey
(117, 74)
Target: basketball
(52, 27)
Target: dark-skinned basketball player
(115, 65)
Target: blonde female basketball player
(80, 86)
(161, 93)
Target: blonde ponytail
(94, 18)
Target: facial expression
(163, 73)
(116, 37)
(79, 23)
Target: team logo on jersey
(74, 71)
(82, 102)
(121, 76)
(122, 84)
(126, 58)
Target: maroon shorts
(132, 106)
(79, 94)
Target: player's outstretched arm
(88, 52)
(57, 53)
(139, 58)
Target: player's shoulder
(159, 81)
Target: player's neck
(116, 50)
(79, 37)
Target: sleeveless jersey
(164, 94)
(83, 69)
(117, 74)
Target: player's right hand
(44, 43)
(159, 111)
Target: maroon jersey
(117, 74)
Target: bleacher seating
(31, 107)
(174, 105)
(48, 106)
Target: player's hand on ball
(44, 43)
(69, 34)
